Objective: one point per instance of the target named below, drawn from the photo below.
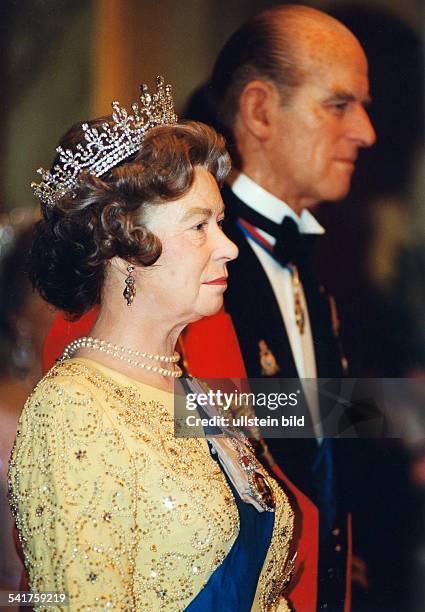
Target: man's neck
(274, 185)
(270, 206)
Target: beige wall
(48, 84)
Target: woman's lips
(217, 281)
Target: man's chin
(337, 194)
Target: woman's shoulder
(82, 389)
(83, 374)
(72, 395)
(63, 419)
(66, 385)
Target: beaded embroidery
(113, 509)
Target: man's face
(318, 132)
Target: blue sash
(233, 585)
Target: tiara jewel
(107, 146)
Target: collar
(271, 207)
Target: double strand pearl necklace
(121, 353)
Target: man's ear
(255, 108)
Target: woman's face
(189, 278)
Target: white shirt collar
(271, 207)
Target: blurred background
(63, 61)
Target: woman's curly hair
(103, 217)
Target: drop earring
(129, 292)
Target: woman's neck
(131, 332)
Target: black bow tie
(291, 245)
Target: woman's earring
(130, 290)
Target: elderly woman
(111, 508)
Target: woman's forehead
(203, 198)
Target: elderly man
(290, 88)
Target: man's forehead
(311, 31)
(336, 63)
(315, 38)
(338, 86)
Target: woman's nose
(227, 248)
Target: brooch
(269, 365)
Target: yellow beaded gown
(114, 510)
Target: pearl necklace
(120, 352)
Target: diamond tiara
(107, 146)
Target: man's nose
(362, 129)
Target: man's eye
(200, 226)
(340, 107)
(220, 223)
